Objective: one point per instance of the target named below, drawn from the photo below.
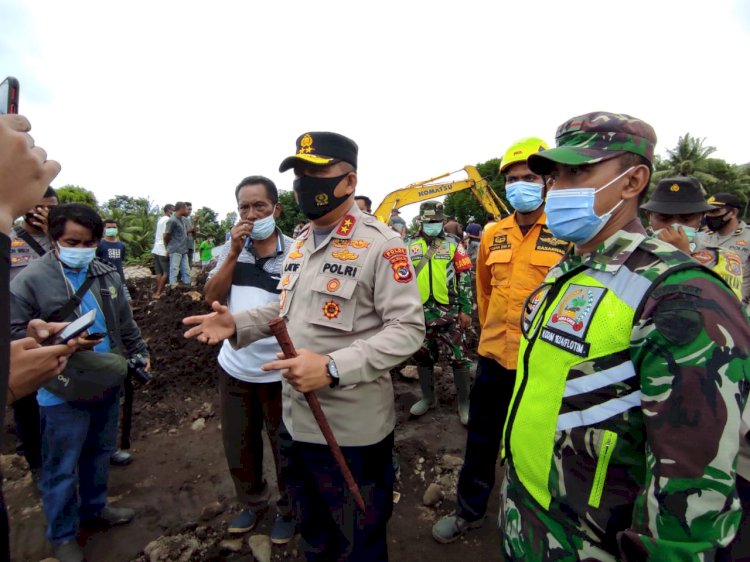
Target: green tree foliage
(290, 213)
(463, 204)
(692, 157)
(76, 194)
(208, 225)
(689, 158)
(229, 221)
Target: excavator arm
(431, 188)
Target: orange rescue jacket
(509, 267)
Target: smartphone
(94, 336)
(9, 89)
(72, 330)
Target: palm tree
(689, 158)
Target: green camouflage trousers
(448, 342)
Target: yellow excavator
(431, 188)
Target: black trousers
(246, 408)
(28, 429)
(332, 527)
(488, 407)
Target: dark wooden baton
(278, 327)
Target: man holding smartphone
(78, 430)
(25, 173)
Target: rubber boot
(428, 400)
(461, 380)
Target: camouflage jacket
(667, 491)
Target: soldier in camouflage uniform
(443, 275)
(621, 438)
(675, 210)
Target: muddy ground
(179, 483)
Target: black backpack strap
(29, 239)
(64, 311)
(108, 307)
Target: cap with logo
(720, 200)
(322, 149)
(593, 138)
(677, 196)
(431, 211)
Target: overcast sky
(180, 100)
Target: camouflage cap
(596, 137)
(431, 211)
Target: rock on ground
(260, 546)
(432, 495)
(211, 510)
(178, 548)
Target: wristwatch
(333, 372)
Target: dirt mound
(177, 363)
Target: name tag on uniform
(499, 242)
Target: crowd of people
(612, 371)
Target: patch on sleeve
(678, 321)
(461, 260)
(703, 257)
(400, 263)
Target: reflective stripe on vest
(438, 268)
(590, 317)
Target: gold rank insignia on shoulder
(346, 225)
(306, 145)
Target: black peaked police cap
(321, 148)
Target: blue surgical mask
(571, 215)
(432, 229)
(110, 232)
(76, 258)
(524, 196)
(263, 228)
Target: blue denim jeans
(77, 440)
(178, 264)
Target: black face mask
(715, 223)
(315, 195)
